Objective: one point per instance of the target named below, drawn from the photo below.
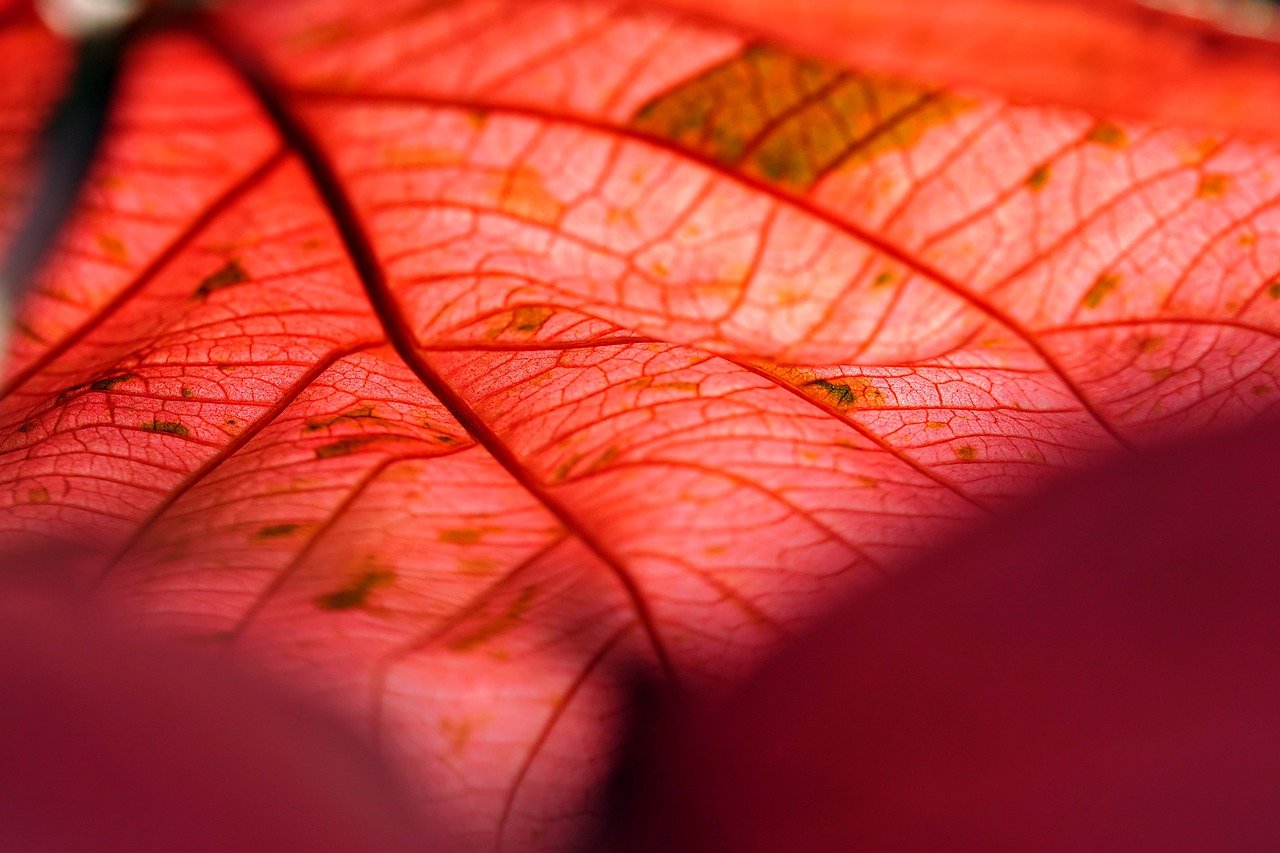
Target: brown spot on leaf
(529, 319)
(848, 393)
(22, 328)
(1102, 285)
(561, 472)
(456, 732)
(228, 275)
(38, 495)
(1213, 186)
(113, 247)
(169, 427)
(111, 381)
(791, 120)
(357, 593)
(1038, 178)
(965, 453)
(358, 414)
(345, 446)
(1108, 135)
(275, 531)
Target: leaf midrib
(299, 138)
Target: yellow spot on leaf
(523, 194)
(462, 535)
(113, 246)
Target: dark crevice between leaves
(70, 143)
(71, 139)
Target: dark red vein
(340, 511)
(874, 241)
(221, 204)
(866, 433)
(233, 447)
(549, 725)
(364, 258)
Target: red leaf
(473, 351)
(1098, 672)
(1185, 61)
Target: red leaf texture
(451, 358)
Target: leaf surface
(474, 351)
(1180, 61)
